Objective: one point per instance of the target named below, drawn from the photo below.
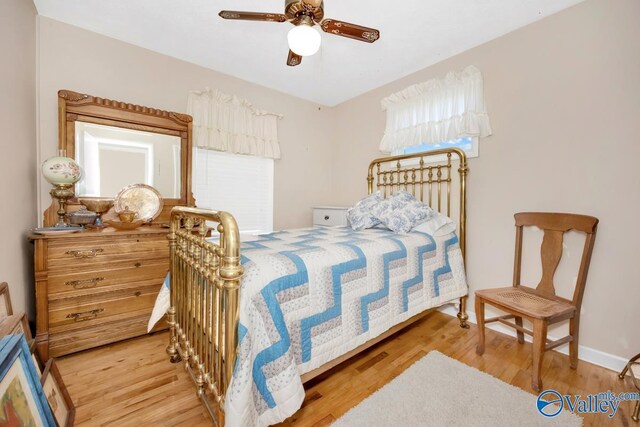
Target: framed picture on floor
(37, 363)
(57, 395)
(5, 300)
(22, 326)
(22, 399)
(17, 324)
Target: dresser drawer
(101, 279)
(330, 217)
(71, 254)
(90, 337)
(82, 312)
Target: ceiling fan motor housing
(294, 9)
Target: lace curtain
(227, 123)
(436, 111)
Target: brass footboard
(203, 316)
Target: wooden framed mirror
(118, 144)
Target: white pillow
(438, 225)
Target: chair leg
(520, 334)
(636, 412)
(622, 374)
(539, 342)
(574, 331)
(480, 322)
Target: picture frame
(22, 398)
(17, 324)
(23, 327)
(5, 300)
(37, 362)
(60, 402)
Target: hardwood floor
(132, 383)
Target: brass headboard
(431, 182)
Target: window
(238, 184)
(468, 144)
(439, 113)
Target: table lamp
(63, 173)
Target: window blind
(240, 185)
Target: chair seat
(528, 302)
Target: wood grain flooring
(132, 383)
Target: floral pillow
(401, 212)
(361, 215)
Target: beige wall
(18, 137)
(563, 94)
(76, 59)
(564, 99)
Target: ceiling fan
(303, 39)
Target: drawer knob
(326, 217)
(90, 253)
(85, 315)
(138, 293)
(84, 283)
(137, 264)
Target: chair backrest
(554, 226)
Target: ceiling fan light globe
(304, 40)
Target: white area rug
(440, 391)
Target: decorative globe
(61, 170)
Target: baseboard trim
(588, 354)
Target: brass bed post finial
(172, 349)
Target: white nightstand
(330, 216)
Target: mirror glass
(112, 158)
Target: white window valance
(227, 123)
(436, 111)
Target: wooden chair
(541, 305)
(633, 367)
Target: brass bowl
(97, 205)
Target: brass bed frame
(205, 277)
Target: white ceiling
(414, 35)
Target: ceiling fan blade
(252, 16)
(293, 59)
(352, 31)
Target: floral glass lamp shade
(63, 173)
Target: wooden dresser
(96, 287)
(99, 286)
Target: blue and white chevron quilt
(308, 296)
